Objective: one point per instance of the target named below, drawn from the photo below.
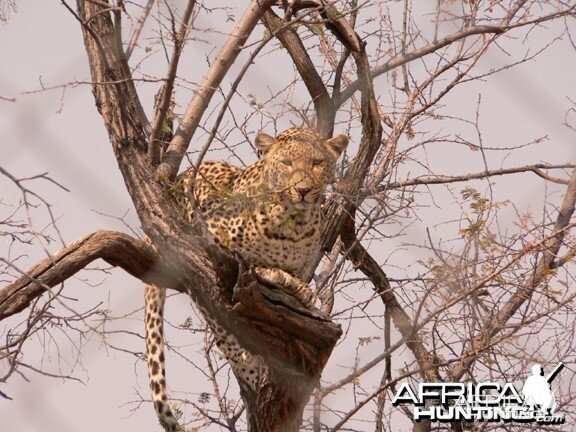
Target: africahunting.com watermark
(486, 401)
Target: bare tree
(470, 310)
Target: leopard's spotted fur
(270, 213)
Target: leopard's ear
(336, 145)
(265, 143)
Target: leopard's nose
(303, 191)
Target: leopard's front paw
(303, 293)
(307, 296)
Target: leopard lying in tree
(270, 213)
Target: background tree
(477, 305)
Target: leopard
(270, 213)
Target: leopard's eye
(286, 162)
(317, 162)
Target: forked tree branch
(205, 271)
(116, 248)
(347, 197)
(364, 262)
(400, 60)
(213, 78)
(165, 96)
(289, 38)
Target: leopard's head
(299, 163)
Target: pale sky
(42, 43)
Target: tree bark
(293, 393)
(199, 103)
(323, 104)
(117, 249)
(303, 339)
(294, 343)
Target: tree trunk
(294, 343)
(279, 403)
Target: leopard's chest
(272, 236)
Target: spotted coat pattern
(270, 213)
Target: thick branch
(348, 189)
(272, 308)
(206, 272)
(116, 248)
(189, 123)
(364, 262)
(289, 38)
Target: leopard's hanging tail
(154, 310)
